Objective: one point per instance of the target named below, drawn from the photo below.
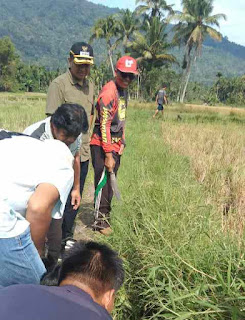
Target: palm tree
(150, 47)
(195, 23)
(154, 8)
(128, 23)
(106, 28)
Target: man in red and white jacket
(108, 139)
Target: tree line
(144, 34)
(18, 76)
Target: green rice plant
(180, 264)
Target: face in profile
(61, 134)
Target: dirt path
(85, 216)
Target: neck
(119, 87)
(82, 286)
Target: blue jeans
(20, 262)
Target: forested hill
(230, 47)
(44, 30)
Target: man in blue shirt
(88, 280)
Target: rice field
(180, 224)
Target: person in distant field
(74, 87)
(108, 138)
(67, 124)
(88, 280)
(33, 188)
(161, 99)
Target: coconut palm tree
(128, 23)
(153, 8)
(150, 48)
(106, 28)
(195, 23)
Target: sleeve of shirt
(76, 145)
(59, 172)
(28, 131)
(54, 98)
(105, 107)
(63, 181)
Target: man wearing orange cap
(108, 139)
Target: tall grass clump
(180, 265)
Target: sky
(233, 28)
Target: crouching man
(68, 123)
(89, 277)
(34, 186)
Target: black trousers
(69, 213)
(63, 228)
(98, 161)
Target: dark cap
(82, 53)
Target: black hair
(50, 278)
(72, 118)
(93, 264)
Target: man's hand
(120, 152)
(75, 199)
(109, 162)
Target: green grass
(17, 111)
(180, 265)
(179, 262)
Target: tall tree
(153, 8)
(106, 29)
(195, 23)
(150, 48)
(8, 64)
(128, 23)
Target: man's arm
(55, 98)
(165, 99)
(120, 152)
(106, 115)
(75, 194)
(156, 98)
(38, 212)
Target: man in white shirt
(33, 188)
(67, 124)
